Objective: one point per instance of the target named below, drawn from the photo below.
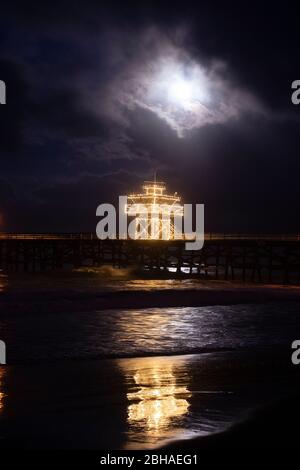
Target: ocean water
(153, 331)
(146, 376)
(62, 333)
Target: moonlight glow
(181, 92)
(176, 92)
(171, 85)
(184, 90)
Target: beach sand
(138, 403)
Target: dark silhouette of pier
(255, 258)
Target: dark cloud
(81, 126)
(12, 116)
(65, 206)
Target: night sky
(89, 113)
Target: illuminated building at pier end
(158, 215)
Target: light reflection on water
(158, 399)
(79, 281)
(153, 331)
(3, 282)
(2, 394)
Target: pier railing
(93, 236)
(255, 257)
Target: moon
(177, 92)
(181, 92)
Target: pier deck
(258, 258)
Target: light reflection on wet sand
(2, 394)
(158, 399)
(137, 403)
(3, 282)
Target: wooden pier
(255, 258)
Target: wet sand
(138, 403)
(273, 427)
